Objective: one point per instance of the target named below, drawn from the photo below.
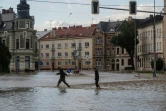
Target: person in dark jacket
(96, 78)
(62, 77)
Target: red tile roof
(74, 31)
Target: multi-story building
(104, 52)
(145, 48)
(57, 48)
(17, 32)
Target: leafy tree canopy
(126, 38)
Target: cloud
(112, 15)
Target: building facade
(57, 48)
(17, 32)
(145, 48)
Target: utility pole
(154, 42)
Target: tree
(159, 64)
(126, 38)
(5, 57)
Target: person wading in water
(62, 77)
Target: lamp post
(135, 46)
(154, 42)
(74, 52)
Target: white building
(145, 48)
(17, 32)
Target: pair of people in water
(63, 74)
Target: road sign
(68, 70)
(87, 57)
(40, 62)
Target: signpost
(68, 70)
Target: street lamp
(154, 42)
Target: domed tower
(23, 10)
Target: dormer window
(112, 29)
(97, 30)
(27, 24)
(5, 33)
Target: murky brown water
(61, 99)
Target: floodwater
(61, 99)
(37, 92)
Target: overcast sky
(65, 14)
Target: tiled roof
(151, 20)
(74, 31)
(108, 27)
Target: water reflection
(55, 99)
(62, 90)
(96, 91)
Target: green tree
(159, 64)
(5, 57)
(126, 38)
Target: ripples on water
(55, 99)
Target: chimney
(151, 16)
(3, 11)
(10, 10)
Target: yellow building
(58, 46)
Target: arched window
(117, 60)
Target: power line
(85, 4)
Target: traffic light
(133, 7)
(95, 6)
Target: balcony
(79, 48)
(53, 49)
(53, 58)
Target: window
(97, 63)
(47, 46)
(86, 44)
(122, 50)
(53, 46)
(66, 63)
(47, 63)
(47, 55)
(113, 50)
(59, 54)
(59, 46)
(80, 45)
(117, 60)
(27, 43)
(73, 63)
(66, 54)
(66, 45)
(27, 24)
(5, 33)
(17, 43)
(108, 51)
(97, 30)
(41, 55)
(3, 42)
(41, 46)
(22, 24)
(31, 25)
(87, 63)
(24, 34)
(122, 62)
(72, 53)
(117, 50)
(72, 45)
(86, 53)
(129, 62)
(108, 62)
(59, 63)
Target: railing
(79, 48)
(53, 58)
(53, 49)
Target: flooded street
(120, 92)
(61, 99)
